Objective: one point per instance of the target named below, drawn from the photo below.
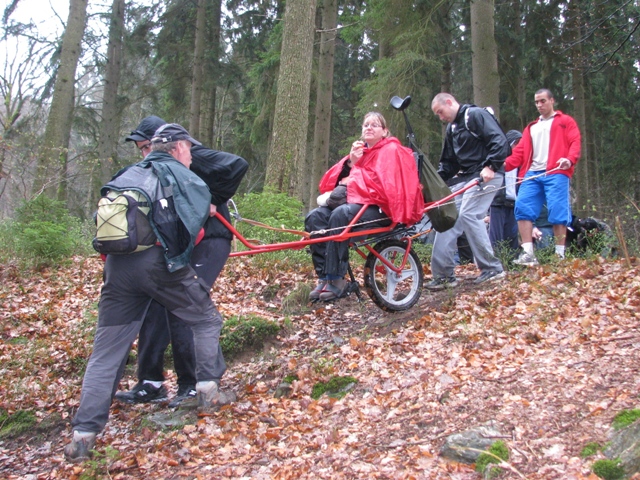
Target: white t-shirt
(540, 135)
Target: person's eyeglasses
(372, 125)
(145, 147)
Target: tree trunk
(521, 91)
(110, 125)
(484, 56)
(289, 136)
(52, 163)
(212, 73)
(324, 94)
(582, 181)
(198, 69)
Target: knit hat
(513, 136)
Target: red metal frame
(346, 234)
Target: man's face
(544, 104)
(445, 111)
(182, 152)
(144, 147)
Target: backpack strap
(466, 123)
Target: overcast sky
(49, 15)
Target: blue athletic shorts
(550, 189)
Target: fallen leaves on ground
(549, 355)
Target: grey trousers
(473, 208)
(158, 328)
(131, 282)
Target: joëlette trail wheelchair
(393, 274)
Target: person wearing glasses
(379, 172)
(222, 172)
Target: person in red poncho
(379, 172)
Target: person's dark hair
(547, 91)
(380, 119)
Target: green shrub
(625, 418)
(608, 469)
(275, 209)
(497, 451)
(43, 232)
(239, 333)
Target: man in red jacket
(549, 144)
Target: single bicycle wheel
(391, 291)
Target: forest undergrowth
(548, 356)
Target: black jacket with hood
(222, 172)
(473, 141)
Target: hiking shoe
(526, 259)
(314, 295)
(334, 289)
(184, 392)
(80, 447)
(442, 283)
(143, 393)
(211, 398)
(490, 276)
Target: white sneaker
(526, 259)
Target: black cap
(172, 132)
(513, 136)
(146, 129)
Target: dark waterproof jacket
(222, 172)
(178, 215)
(472, 143)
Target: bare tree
(52, 164)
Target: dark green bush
(43, 232)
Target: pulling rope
(236, 216)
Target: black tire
(382, 285)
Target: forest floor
(548, 356)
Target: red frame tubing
(346, 234)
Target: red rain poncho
(386, 176)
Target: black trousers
(332, 258)
(161, 327)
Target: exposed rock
(625, 445)
(467, 446)
(283, 390)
